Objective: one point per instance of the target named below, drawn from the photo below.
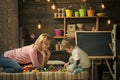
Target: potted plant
(82, 10)
(90, 12)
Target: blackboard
(94, 43)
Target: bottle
(57, 47)
(61, 47)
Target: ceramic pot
(58, 32)
(90, 13)
(82, 12)
(68, 13)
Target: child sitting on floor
(79, 59)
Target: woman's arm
(34, 58)
(46, 56)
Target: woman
(38, 54)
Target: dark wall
(30, 12)
(112, 10)
(9, 37)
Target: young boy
(78, 59)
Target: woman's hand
(48, 52)
(45, 52)
(46, 55)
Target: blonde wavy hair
(44, 37)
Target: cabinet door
(8, 25)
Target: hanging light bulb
(84, 0)
(102, 4)
(108, 21)
(39, 25)
(48, 0)
(53, 5)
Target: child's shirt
(79, 54)
(26, 54)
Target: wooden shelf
(81, 17)
(97, 18)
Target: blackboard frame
(98, 40)
(117, 31)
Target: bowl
(100, 14)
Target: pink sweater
(25, 55)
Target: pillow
(55, 62)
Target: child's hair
(67, 42)
(44, 37)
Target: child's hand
(66, 65)
(69, 70)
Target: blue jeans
(9, 65)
